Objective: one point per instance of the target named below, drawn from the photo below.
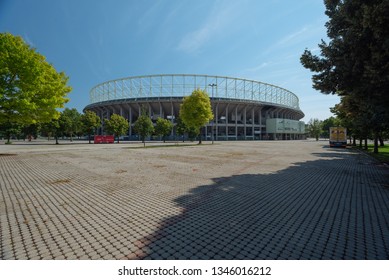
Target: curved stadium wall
(243, 109)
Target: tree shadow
(321, 209)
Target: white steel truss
(181, 85)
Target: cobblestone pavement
(231, 200)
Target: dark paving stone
(332, 207)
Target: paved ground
(231, 200)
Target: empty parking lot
(230, 200)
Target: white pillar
(244, 122)
(236, 122)
(130, 120)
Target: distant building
(243, 109)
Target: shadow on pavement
(323, 209)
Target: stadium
(243, 109)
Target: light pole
(212, 85)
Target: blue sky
(100, 40)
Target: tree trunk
(360, 143)
(354, 141)
(365, 143)
(89, 138)
(56, 140)
(375, 144)
(381, 140)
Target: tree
(356, 117)
(355, 62)
(196, 110)
(163, 128)
(326, 124)
(52, 128)
(117, 125)
(70, 120)
(10, 130)
(30, 88)
(314, 128)
(182, 129)
(144, 126)
(31, 131)
(90, 122)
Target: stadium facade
(243, 109)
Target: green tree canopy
(116, 125)
(181, 129)
(196, 110)
(31, 131)
(163, 128)
(314, 128)
(326, 124)
(9, 130)
(355, 62)
(52, 129)
(355, 116)
(90, 122)
(70, 121)
(144, 126)
(30, 88)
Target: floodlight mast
(213, 120)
